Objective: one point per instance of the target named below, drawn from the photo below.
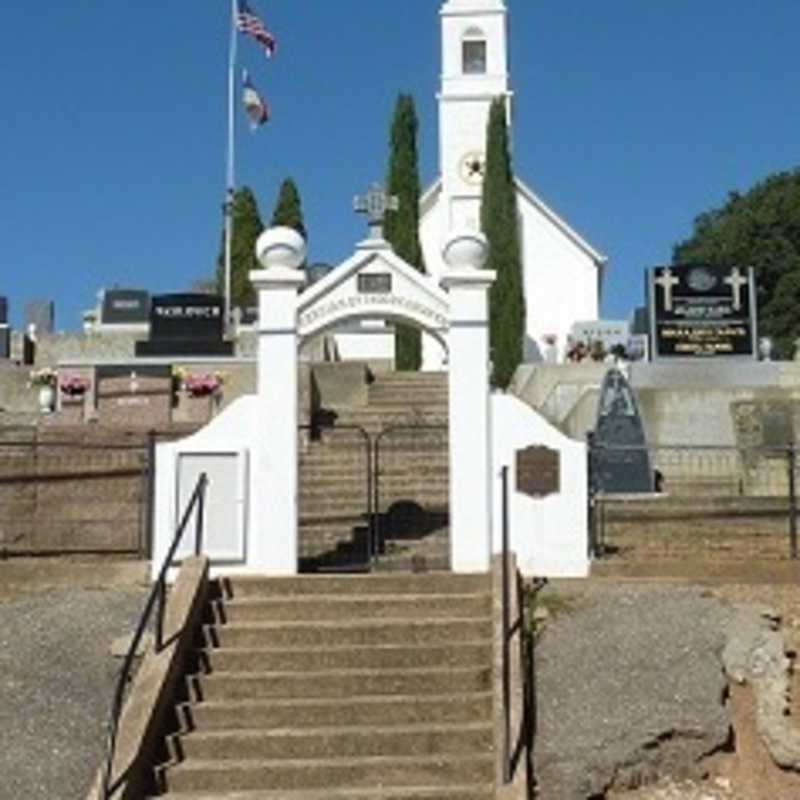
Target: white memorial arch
(250, 451)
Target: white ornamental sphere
(465, 250)
(281, 247)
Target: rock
(630, 689)
(755, 653)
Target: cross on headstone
(736, 281)
(375, 204)
(667, 282)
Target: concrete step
(321, 712)
(363, 633)
(350, 608)
(451, 792)
(358, 773)
(300, 659)
(342, 742)
(241, 587)
(219, 686)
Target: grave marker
(186, 325)
(538, 471)
(125, 307)
(620, 460)
(702, 311)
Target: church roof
(431, 195)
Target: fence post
(591, 517)
(792, 453)
(507, 771)
(150, 501)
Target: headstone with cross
(702, 311)
(375, 203)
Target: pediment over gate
(374, 283)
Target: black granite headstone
(186, 324)
(620, 460)
(3, 310)
(125, 307)
(700, 311)
(5, 342)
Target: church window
(474, 52)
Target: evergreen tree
(288, 209)
(247, 227)
(759, 229)
(402, 226)
(499, 223)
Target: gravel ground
(56, 681)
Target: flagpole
(230, 172)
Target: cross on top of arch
(375, 203)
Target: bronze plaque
(538, 471)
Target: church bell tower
(474, 72)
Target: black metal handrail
(155, 600)
(519, 627)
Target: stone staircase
(413, 486)
(374, 687)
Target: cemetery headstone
(125, 307)
(620, 460)
(134, 396)
(3, 310)
(701, 311)
(186, 325)
(609, 332)
(42, 315)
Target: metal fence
(734, 503)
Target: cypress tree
(499, 223)
(402, 226)
(288, 208)
(247, 227)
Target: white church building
(562, 272)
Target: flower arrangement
(46, 376)
(73, 385)
(202, 385)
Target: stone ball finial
(465, 250)
(281, 247)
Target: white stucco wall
(550, 534)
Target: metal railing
(513, 750)
(156, 600)
(739, 496)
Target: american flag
(249, 23)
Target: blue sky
(631, 118)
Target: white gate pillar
(274, 489)
(470, 446)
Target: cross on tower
(667, 282)
(375, 203)
(736, 281)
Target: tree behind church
(402, 226)
(289, 209)
(759, 229)
(499, 223)
(247, 227)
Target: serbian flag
(249, 23)
(254, 105)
